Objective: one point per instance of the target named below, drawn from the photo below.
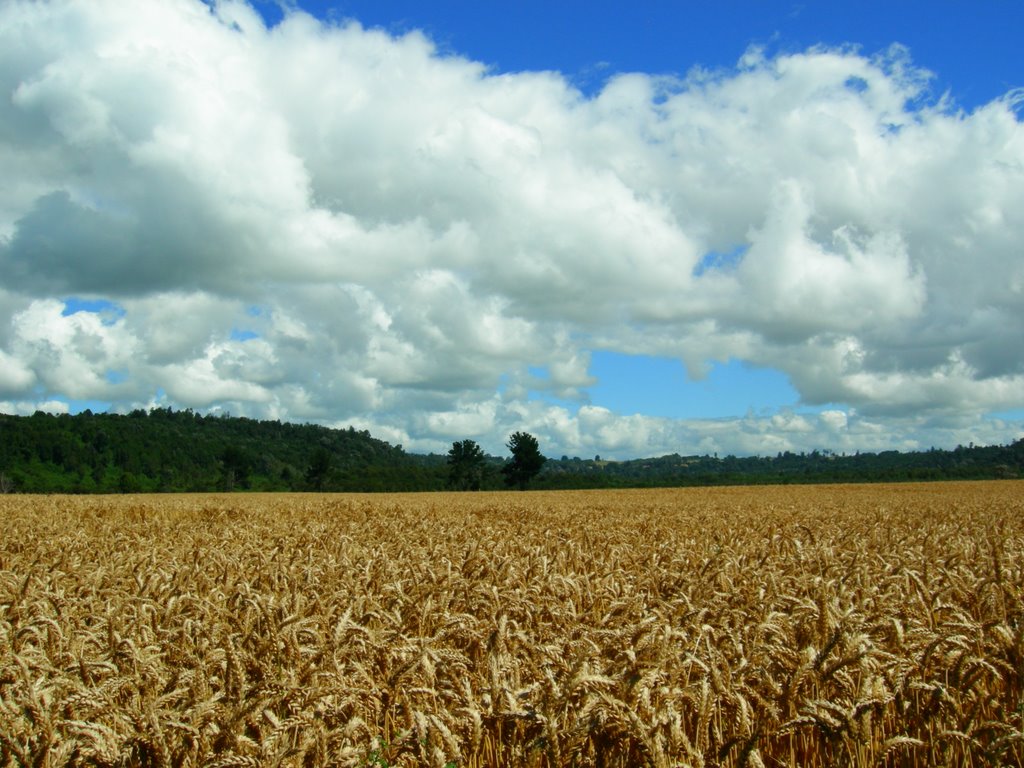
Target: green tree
(526, 460)
(465, 466)
(319, 468)
(235, 467)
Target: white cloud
(27, 408)
(69, 355)
(15, 376)
(405, 238)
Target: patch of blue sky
(856, 84)
(722, 261)
(116, 377)
(503, 383)
(538, 371)
(109, 311)
(77, 406)
(242, 334)
(1014, 414)
(659, 386)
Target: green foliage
(466, 466)
(526, 461)
(167, 451)
(319, 468)
(236, 465)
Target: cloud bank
(323, 222)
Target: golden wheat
(791, 626)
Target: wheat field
(781, 626)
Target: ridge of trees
(819, 466)
(163, 450)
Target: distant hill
(971, 463)
(162, 450)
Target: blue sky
(660, 386)
(630, 229)
(972, 47)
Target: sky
(628, 229)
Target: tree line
(162, 450)
(468, 464)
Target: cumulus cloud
(320, 221)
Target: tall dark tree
(526, 460)
(465, 466)
(236, 465)
(319, 468)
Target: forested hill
(163, 450)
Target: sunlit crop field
(782, 626)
